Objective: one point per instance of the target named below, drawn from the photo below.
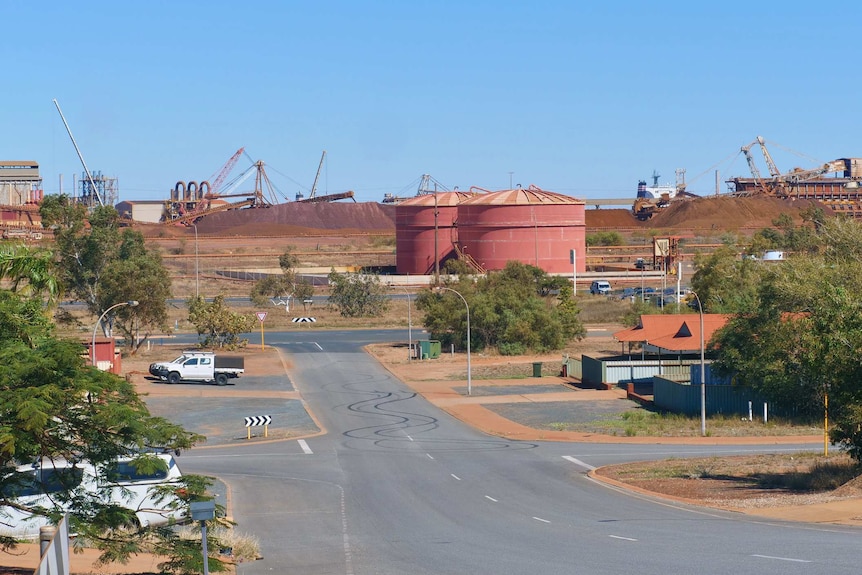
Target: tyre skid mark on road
(393, 434)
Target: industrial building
(20, 183)
(146, 211)
(489, 229)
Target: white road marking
(318, 345)
(782, 558)
(491, 499)
(429, 456)
(623, 538)
(410, 438)
(577, 461)
(540, 519)
(305, 448)
(455, 476)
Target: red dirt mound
(293, 217)
(726, 212)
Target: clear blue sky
(583, 98)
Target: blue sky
(575, 97)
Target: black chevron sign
(304, 319)
(258, 420)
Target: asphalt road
(398, 487)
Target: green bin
(429, 348)
(537, 369)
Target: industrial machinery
(314, 198)
(650, 200)
(840, 191)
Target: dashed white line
(455, 476)
(410, 438)
(488, 497)
(318, 346)
(577, 461)
(305, 448)
(782, 558)
(540, 519)
(429, 456)
(623, 538)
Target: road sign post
(261, 315)
(258, 420)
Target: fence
(684, 398)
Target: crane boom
(225, 171)
(80, 156)
(317, 176)
(773, 169)
(755, 173)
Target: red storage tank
(530, 225)
(414, 231)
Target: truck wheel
(173, 377)
(221, 379)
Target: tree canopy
(357, 295)
(100, 264)
(217, 324)
(507, 311)
(797, 335)
(53, 405)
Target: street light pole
(197, 274)
(132, 303)
(469, 372)
(702, 370)
(409, 325)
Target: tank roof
(523, 196)
(443, 199)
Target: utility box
(429, 349)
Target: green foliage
(55, 406)
(284, 285)
(785, 235)
(726, 283)
(102, 264)
(507, 311)
(29, 271)
(611, 238)
(456, 267)
(219, 326)
(357, 295)
(802, 339)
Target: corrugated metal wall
(720, 399)
(618, 370)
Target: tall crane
(228, 166)
(299, 196)
(773, 170)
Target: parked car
(199, 366)
(645, 293)
(627, 293)
(600, 287)
(120, 482)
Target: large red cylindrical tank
(531, 226)
(415, 231)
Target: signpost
(261, 315)
(257, 421)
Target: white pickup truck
(199, 366)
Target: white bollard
(765, 419)
(750, 414)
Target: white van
(600, 287)
(119, 482)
